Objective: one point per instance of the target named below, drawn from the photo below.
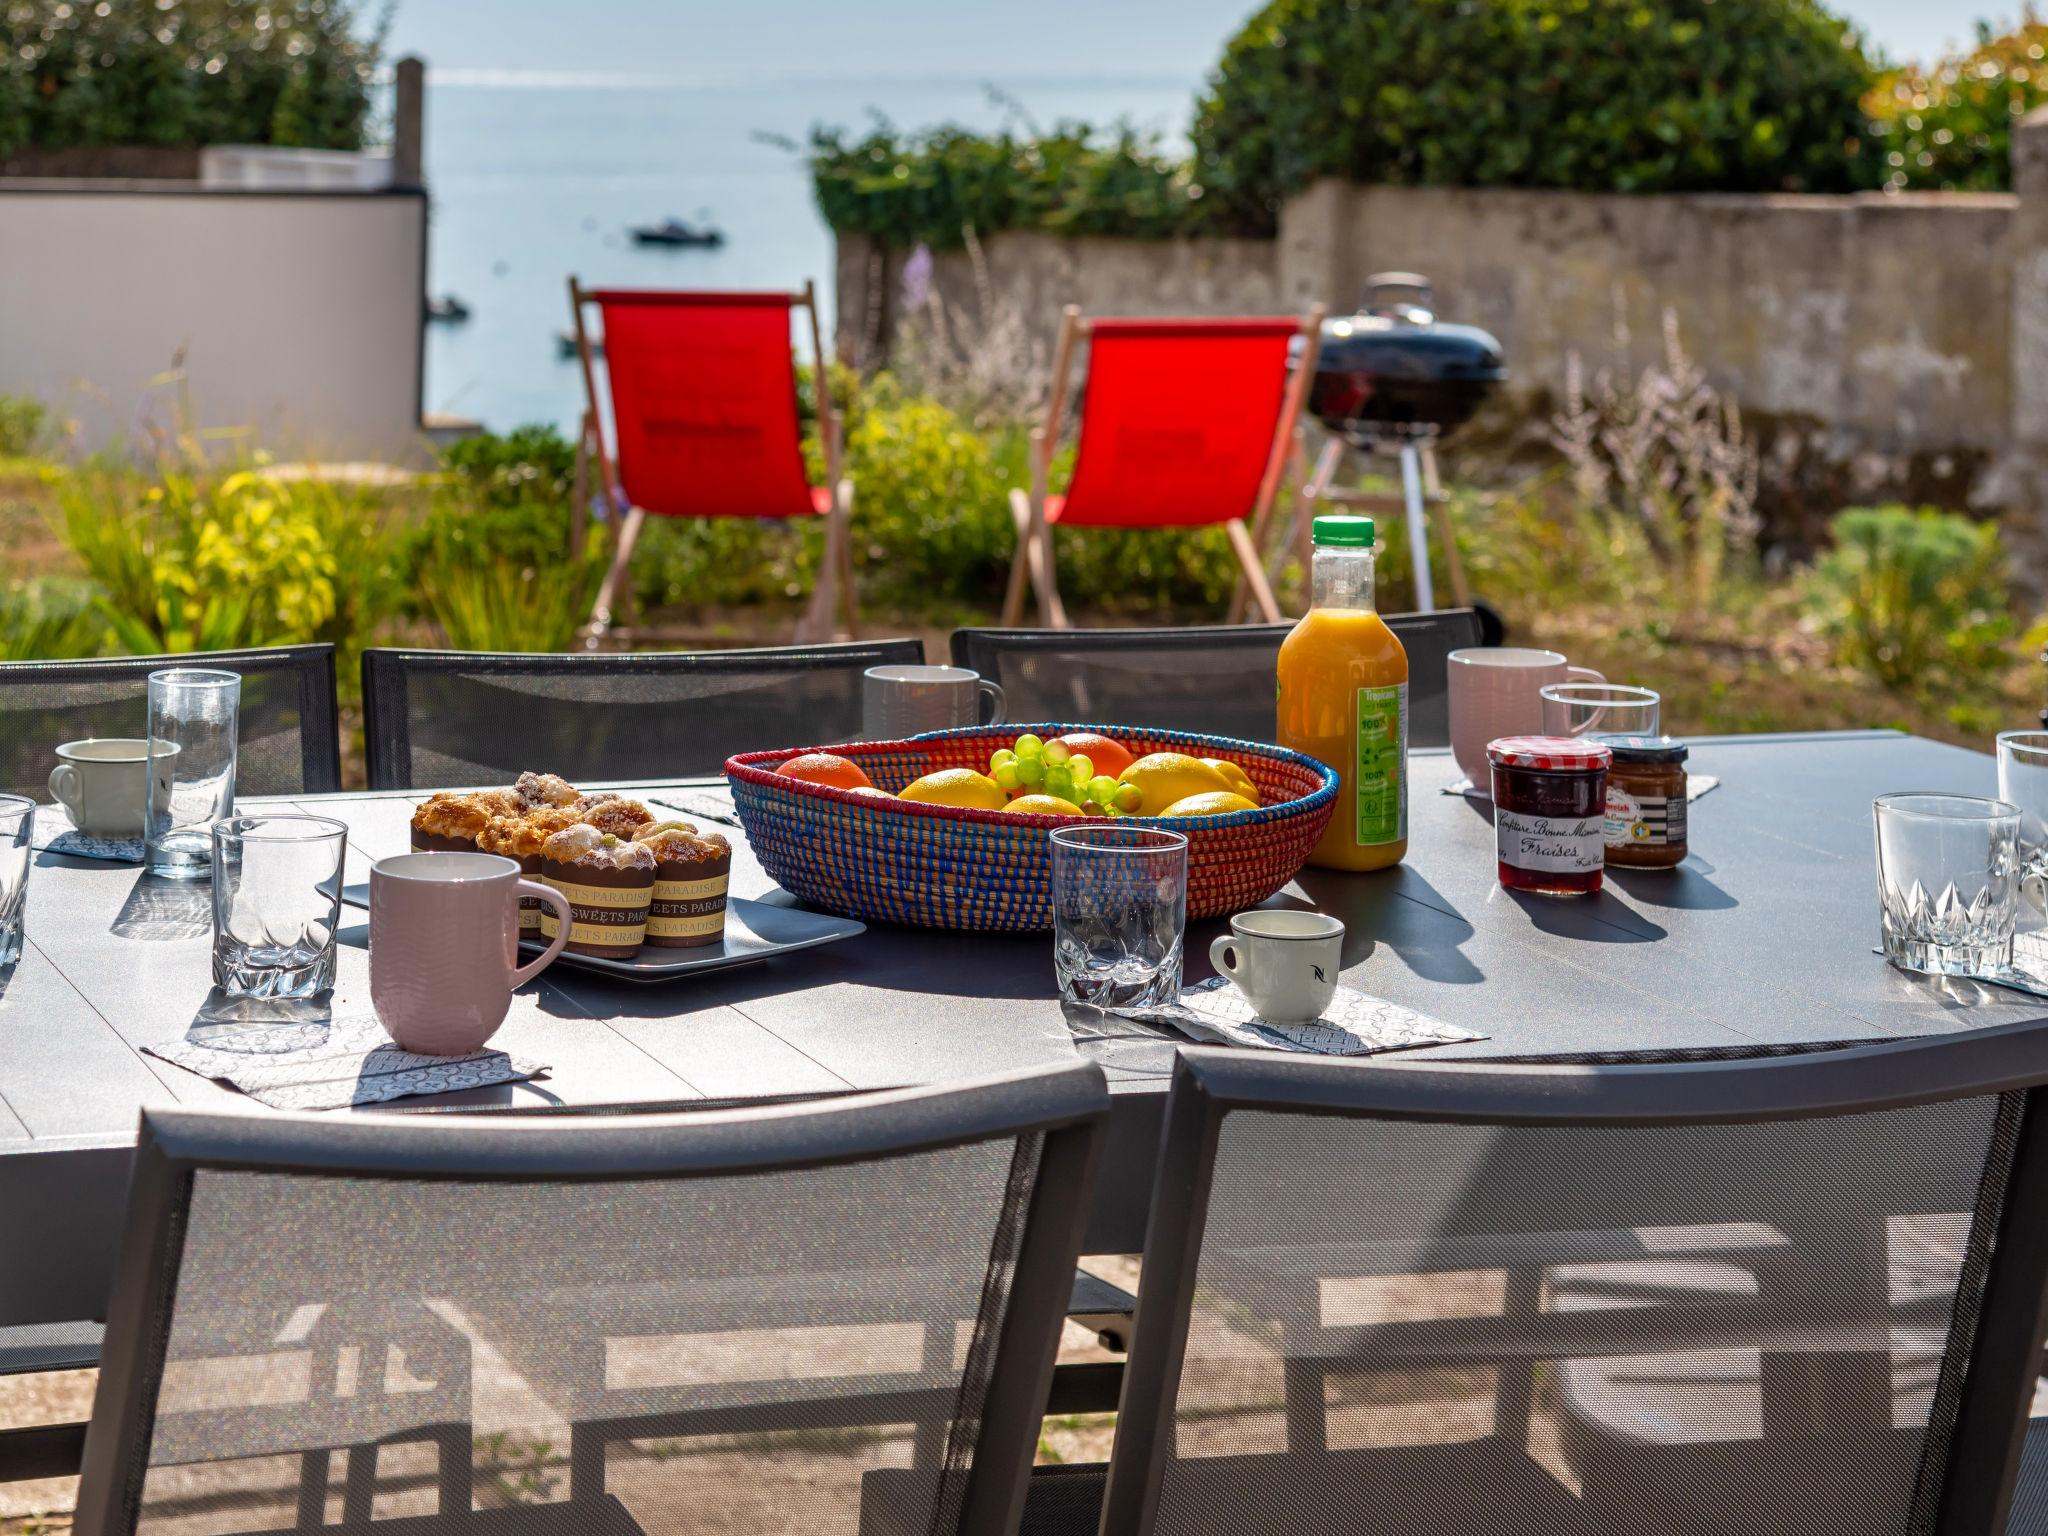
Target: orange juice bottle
(1344, 701)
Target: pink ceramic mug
(1497, 691)
(444, 946)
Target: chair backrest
(1802, 1294)
(440, 719)
(289, 743)
(1217, 678)
(643, 1319)
(704, 403)
(1181, 420)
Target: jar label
(1551, 844)
(1643, 821)
(1380, 779)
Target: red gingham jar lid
(1551, 754)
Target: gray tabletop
(1763, 936)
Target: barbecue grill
(1393, 379)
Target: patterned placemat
(1696, 784)
(1215, 1012)
(54, 833)
(333, 1065)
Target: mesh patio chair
(1802, 1294)
(289, 743)
(704, 413)
(652, 1323)
(1215, 678)
(1184, 424)
(442, 719)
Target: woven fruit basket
(941, 866)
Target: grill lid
(1393, 368)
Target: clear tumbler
(195, 711)
(276, 904)
(1119, 908)
(1947, 882)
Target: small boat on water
(448, 309)
(673, 231)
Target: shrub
(1915, 598)
(931, 187)
(1950, 127)
(46, 621)
(1596, 95)
(180, 72)
(198, 558)
(1661, 468)
(24, 426)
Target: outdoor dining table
(1763, 938)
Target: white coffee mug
(1285, 963)
(99, 782)
(906, 700)
(1496, 691)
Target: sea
(531, 182)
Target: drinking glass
(1947, 882)
(1119, 905)
(2023, 782)
(276, 903)
(194, 711)
(1573, 709)
(17, 822)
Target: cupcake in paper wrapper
(609, 885)
(521, 838)
(692, 871)
(451, 823)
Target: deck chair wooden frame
(1034, 560)
(834, 592)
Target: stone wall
(1903, 339)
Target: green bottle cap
(1343, 532)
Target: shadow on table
(1686, 888)
(159, 910)
(1590, 920)
(282, 1023)
(1401, 911)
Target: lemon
(1212, 802)
(1164, 777)
(1043, 805)
(957, 786)
(1235, 777)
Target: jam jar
(1646, 808)
(1550, 813)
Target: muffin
(621, 818)
(609, 884)
(521, 837)
(538, 789)
(449, 822)
(691, 872)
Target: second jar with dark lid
(1646, 808)
(1549, 802)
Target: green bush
(24, 426)
(1593, 95)
(1915, 598)
(48, 621)
(933, 187)
(1950, 127)
(182, 72)
(198, 558)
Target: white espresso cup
(100, 782)
(1496, 691)
(905, 700)
(1285, 963)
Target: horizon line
(486, 77)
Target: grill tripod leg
(1418, 525)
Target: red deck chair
(1185, 423)
(704, 412)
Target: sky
(735, 43)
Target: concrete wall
(296, 318)
(1881, 317)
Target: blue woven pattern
(942, 867)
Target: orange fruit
(1109, 757)
(826, 768)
